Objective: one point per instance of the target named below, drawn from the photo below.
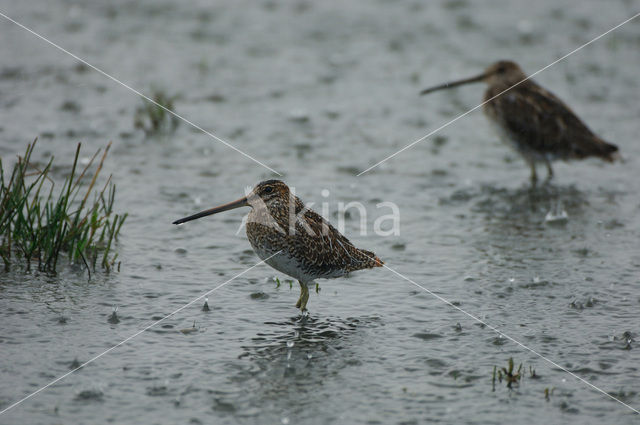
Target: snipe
(293, 239)
(540, 127)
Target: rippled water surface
(319, 91)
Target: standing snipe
(293, 239)
(533, 120)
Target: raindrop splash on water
(205, 307)
(557, 215)
(113, 319)
(290, 345)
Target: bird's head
(503, 72)
(268, 193)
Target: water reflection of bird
(293, 239)
(533, 120)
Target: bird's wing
(541, 121)
(326, 249)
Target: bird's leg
(534, 175)
(304, 297)
(299, 303)
(549, 169)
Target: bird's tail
(375, 261)
(608, 151)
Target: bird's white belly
(283, 263)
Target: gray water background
(320, 91)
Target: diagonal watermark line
(447, 124)
(147, 98)
(477, 319)
(124, 341)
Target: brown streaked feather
(539, 122)
(331, 248)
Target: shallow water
(319, 92)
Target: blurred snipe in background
(537, 124)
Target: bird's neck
(278, 213)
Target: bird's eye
(501, 70)
(268, 189)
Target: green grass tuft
(154, 119)
(36, 225)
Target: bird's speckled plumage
(533, 120)
(318, 248)
(294, 239)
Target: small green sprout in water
(289, 281)
(317, 288)
(548, 392)
(37, 226)
(493, 379)
(508, 374)
(154, 117)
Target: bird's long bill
(242, 202)
(453, 84)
